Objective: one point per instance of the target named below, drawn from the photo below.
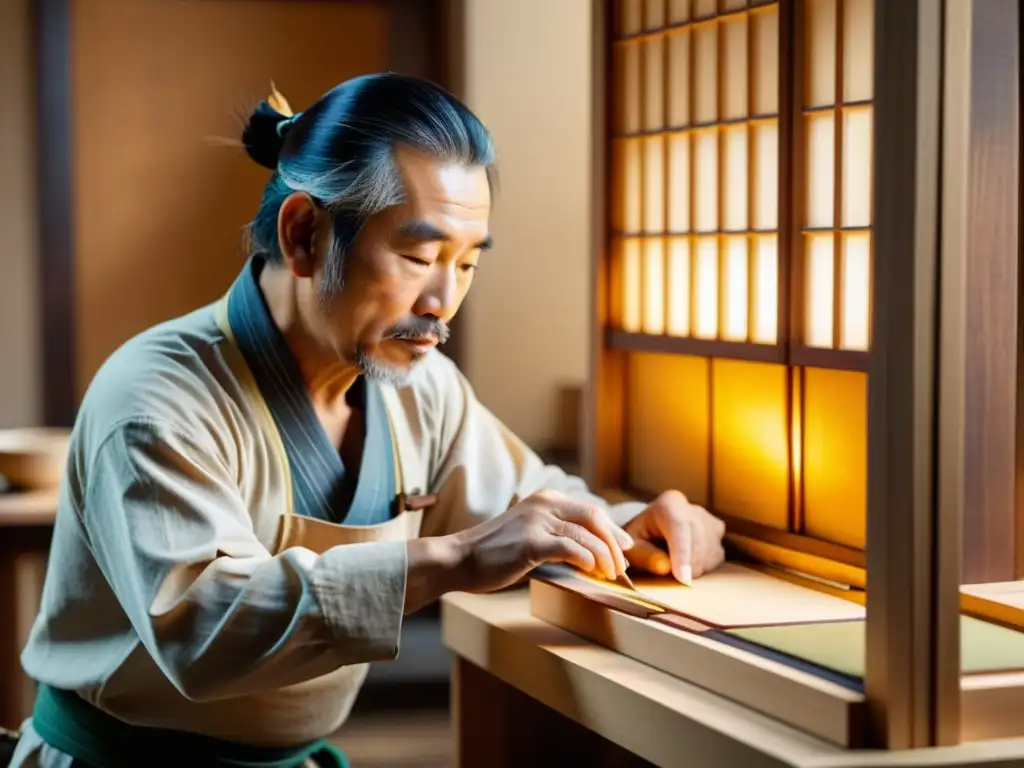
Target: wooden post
(912, 680)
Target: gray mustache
(420, 329)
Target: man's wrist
(436, 566)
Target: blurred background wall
(157, 207)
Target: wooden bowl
(33, 458)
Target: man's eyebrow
(424, 232)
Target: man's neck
(327, 378)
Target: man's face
(409, 270)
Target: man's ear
(296, 233)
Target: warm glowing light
(706, 181)
(707, 288)
(821, 46)
(856, 277)
(750, 440)
(679, 78)
(631, 287)
(765, 44)
(631, 90)
(821, 143)
(654, 286)
(858, 49)
(654, 184)
(736, 172)
(679, 182)
(766, 175)
(632, 195)
(669, 398)
(705, 41)
(820, 266)
(679, 287)
(856, 189)
(734, 60)
(766, 290)
(835, 456)
(796, 428)
(654, 87)
(735, 289)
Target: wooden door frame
(419, 31)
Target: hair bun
(265, 131)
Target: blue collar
(321, 488)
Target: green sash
(67, 722)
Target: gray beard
(373, 370)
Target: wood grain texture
(908, 679)
(989, 539)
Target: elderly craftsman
(259, 491)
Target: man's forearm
(436, 566)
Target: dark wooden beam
(56, 213)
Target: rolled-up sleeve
(484, 467)
(219, 613)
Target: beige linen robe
(184, 592)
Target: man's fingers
(599, 548)
(561, 549)
(649, 557)
(597, 522)
(680, 539)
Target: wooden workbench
(527, 693)
(26, 526)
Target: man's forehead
(428, 179)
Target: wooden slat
(912, 682)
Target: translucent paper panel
(820, 174)
(750, 445)
(705, 41)
(858, 49)
(765, 301)
(630, 282)
(679, 287)
(678, 10)
(630, 91)
(765, 201)
(820, 77)
(733, 32)
(654, 184)
(654, 14)
(736, 172)
(654, 286)
(704, 8)
(835, 456)
(706, 181)
(628, 193)
(679, 182)
(654, 83)
(736, 316)
(819, 284)
(679, 78)
(706, 295)
(668, 435)
(631, 14)
(855, 194)
(765, 54)
(856, 282)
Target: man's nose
(440, 294)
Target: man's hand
(548, 527)
(693, 536)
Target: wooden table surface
(652, 715)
